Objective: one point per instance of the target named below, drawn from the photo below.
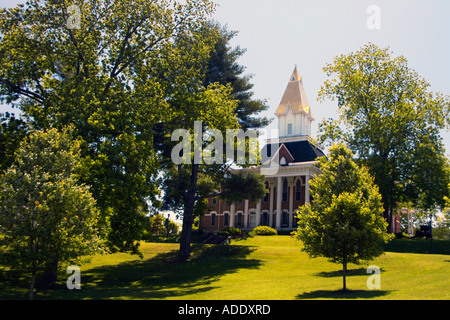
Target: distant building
(409, 218)
(294, 157)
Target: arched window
(226, 219)
(282, 161)
(284, 218)
(295, 224)
(265, 219)
(239, 219)
(213, 219)
(298, 190)
(285, 190)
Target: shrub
(231, 231)
(154, 225)
(402, 235)
(157, 225)
(264, 231)
(173, 228)
(196, 223)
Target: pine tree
(223, 68)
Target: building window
(284, 219)
(285, 190)
(226, 219)
(298, 190)
(214, 200)
(239, 219)
(265, 219)
(266, 197)
(213, 219)
(295, 221)
(289, 128)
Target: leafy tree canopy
(46, 215)
(344, 222)
(392, 123)
(113, 79)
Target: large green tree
(111, 77)
(392, 123)
(46, 215)
(188, 184)
(196, 169)
(12, 131)
(345, 220)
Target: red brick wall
(220, 207)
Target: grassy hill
(266, 268)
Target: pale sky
(281, 33)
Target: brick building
(292, 155)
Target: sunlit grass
(271, 267)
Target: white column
(232, 210)
(269, 217)
(301, 124)
(291, 200)
(279, 195)
(307, 189)
(246, 214)
(258, 213)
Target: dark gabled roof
(302, 151)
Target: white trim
(286, 111)
(301, 181)
(278, 151)
(287, 139)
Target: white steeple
(294, 113)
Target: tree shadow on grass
(341, 294)
(160, 277)
(350, 272)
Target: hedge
(264, 231)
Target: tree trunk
(344, 273)
(33, 280)
(388, 216)
(188, 217)
(185, 239)
(390, 220)
(51, 274)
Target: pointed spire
(295, 75)
(294, 95)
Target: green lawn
(257, 268)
